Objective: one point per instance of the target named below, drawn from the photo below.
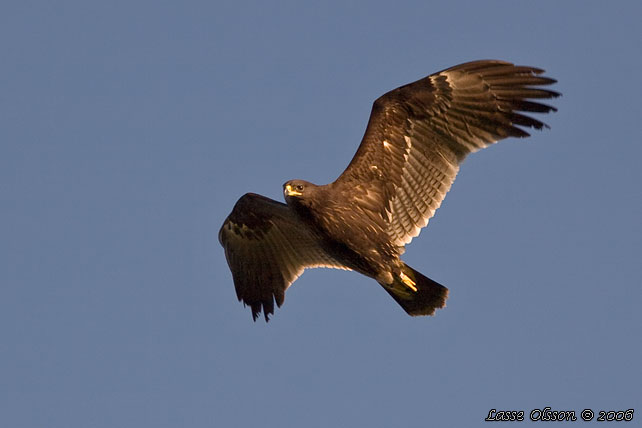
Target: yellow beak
(290, 191)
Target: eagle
(416, 138)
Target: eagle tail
(417, 294)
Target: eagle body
(348, 231)
(415, 141)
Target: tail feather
(417, 294)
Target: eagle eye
(299, 187)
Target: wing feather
(418, 135)
(267, 248)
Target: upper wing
(418, 135)
(267, 247)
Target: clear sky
(129, 130)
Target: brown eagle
(416, 138)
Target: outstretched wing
(418, 135)
(267, 247)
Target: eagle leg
(408, 282)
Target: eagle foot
(408, 282)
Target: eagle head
(299, 191)
(296, 188)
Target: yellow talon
(408, 282)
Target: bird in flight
(416, 138)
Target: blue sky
(130, 129)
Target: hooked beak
(289, 191)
